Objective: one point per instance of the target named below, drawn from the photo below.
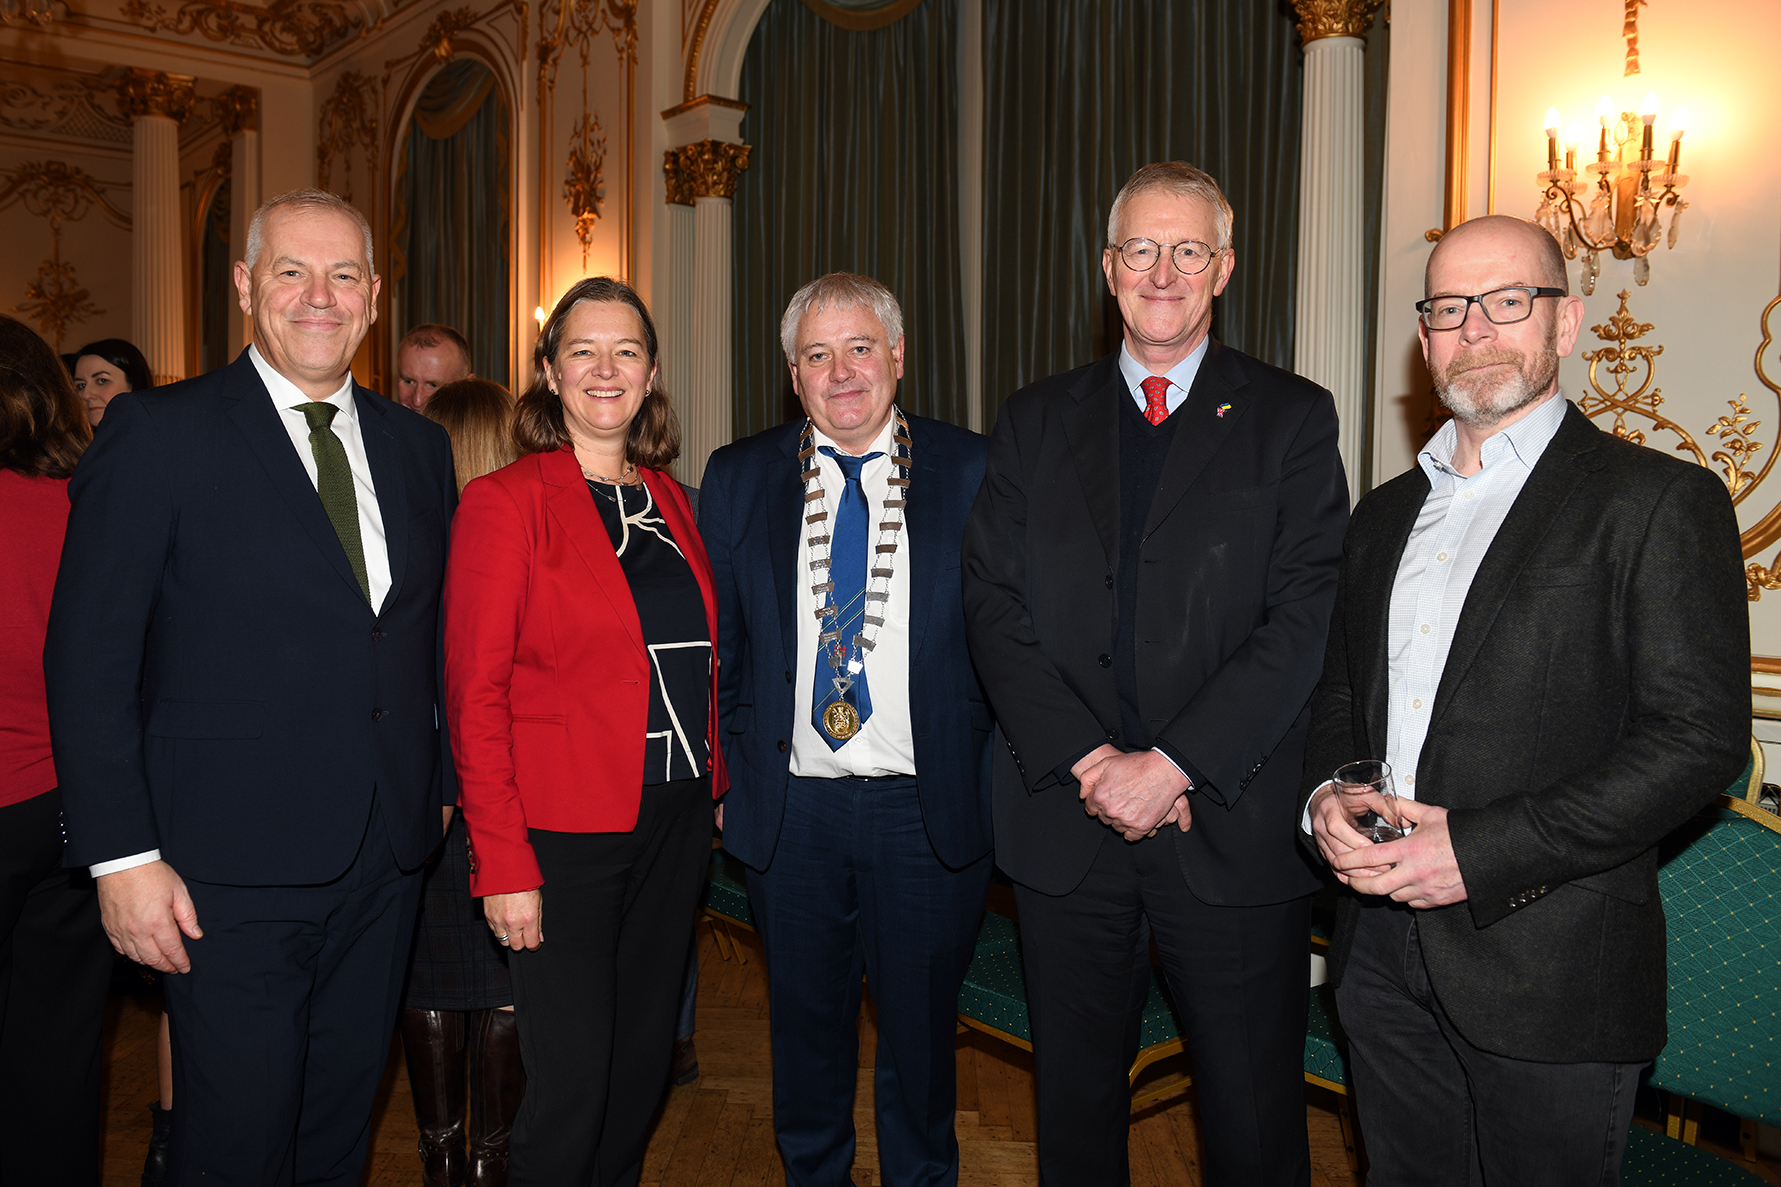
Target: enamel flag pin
(1222, 409)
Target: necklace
(624, 478)
(847, 656)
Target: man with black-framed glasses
(1542, 630)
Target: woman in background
(106, 369)
(579, 620)
(457, 1009)
(55, 962)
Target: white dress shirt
(885, 744)
(1458, 521)
(288, 401)
(1180, 376)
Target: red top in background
(33, 519)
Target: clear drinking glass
(1365, 791)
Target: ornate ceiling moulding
(713, 167)
(152, 92)
(1334, 18)
(295, 28)
(439, 43)
(79, 109)
(348, 122)
(60, 193)
(238, 110)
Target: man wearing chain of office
(856, 733)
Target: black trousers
(282, 1028)
(1240, 977)
(596, 1002)
(55, 965)
(1439, 1112)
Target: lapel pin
(1222, 409)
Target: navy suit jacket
(751, 516)
(219, 688)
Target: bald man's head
(1506, 235)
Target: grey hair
(303, 200)
(1181, 180)
(840, 290)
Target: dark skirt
(456, 963)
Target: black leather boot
(433, 1045)
(497, 1084)
(154, 1167)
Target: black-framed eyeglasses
(1504, 307)
(1190, 255)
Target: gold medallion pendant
(841, 721)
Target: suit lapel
(922, 514)
(1201, 429)
(567, 498)
(1560, 469)
(384, 454)
(784, 496)
(258, 422)
(1092, 426)
(1371, 572)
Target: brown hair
(430, 335)
(478, 416)
(43, 428)
(538, 426)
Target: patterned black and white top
(672, 613)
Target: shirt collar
(1180, 375)
(881, 444)
(286, 394)
(1525, 440)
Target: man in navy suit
(856, 734)
(243, 675)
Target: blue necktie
(847, 569)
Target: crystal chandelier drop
(1618, 210)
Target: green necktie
(333, 480)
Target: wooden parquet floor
(718, 1131)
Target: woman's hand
(517, 920)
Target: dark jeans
(1439, 1112)
(596, 1001)
(855, 887)
(282, 1029)
(55, 963)
(1240, 977)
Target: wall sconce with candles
(1622, 215)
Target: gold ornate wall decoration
(439, 41)
(695, 49)
(714, 166)
(295, 28)
(348, 121)
(1737, 445)
(437, 38)
(584, 189)
(84, 108)
(238, 110)
(153, 92)
(1334, 18)
(1629, 29)
(677, 181)
(60, 193)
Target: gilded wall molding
(83, 109)
(577, 25)
(440, 39)
(59, 193)
(154, 92)
(238, 110)
(348, 122)
(713, 167)
(294, 28)
(1334, 18)
(584, 186)
(696, 47)
(676, 180)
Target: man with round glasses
(1148, 575)
(1542, 629)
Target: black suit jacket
(219, 688)
(1595, 697)
(1238, 571)
(751, 517)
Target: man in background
(429, 357)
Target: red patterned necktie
(1156, 399)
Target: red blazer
(546, 676)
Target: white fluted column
(1330, 344)
(241, 121)
(155, 103)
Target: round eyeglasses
(1504, 307)
(1190, 255)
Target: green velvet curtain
(1078, 95)
(450, 225)
(854, 168)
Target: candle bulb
(1604, 114)
(1648, 117)
(1553, 124)
(1678, 126)
(1573, 138)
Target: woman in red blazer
(581, 693)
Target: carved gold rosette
(712, 167)
(1334, 18)
(152, 92)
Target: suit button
(1106, 661)
(377, 634)
(783, 748)
(377, 715)
(1109, 581)
(1113, 735)
(788, 677)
